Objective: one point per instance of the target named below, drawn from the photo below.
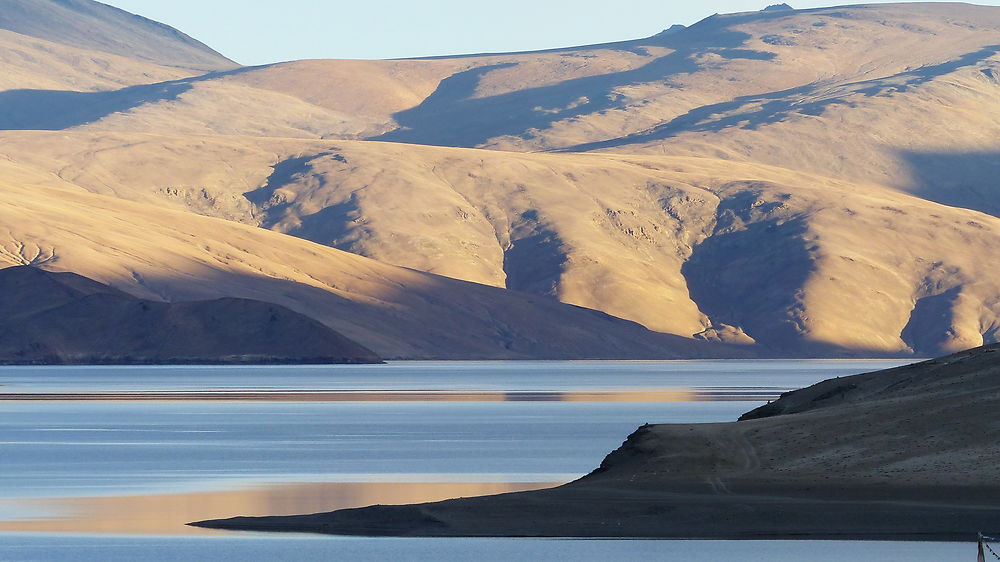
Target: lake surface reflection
(166, 514)
(91, 455)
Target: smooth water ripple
(109, 457)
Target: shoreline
(708, 516)
(907, 453)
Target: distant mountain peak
(676, 28)
(778, 8)
(91, 25)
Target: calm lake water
(103, 463)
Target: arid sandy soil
(806, 183)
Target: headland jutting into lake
(909, 453)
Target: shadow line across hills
(765, 109)
(933, 177)
(451, 117)
(56, 110)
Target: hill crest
(87, 24)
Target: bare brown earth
(907, 454)
(726, 251)
(95, 26)
(165, 255)
(815, 182)
(35, 67)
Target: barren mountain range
(796, 183)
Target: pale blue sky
(263, 31)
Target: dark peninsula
(911, 453)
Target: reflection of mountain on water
(669, 394)
(167, 514)
(678, 394)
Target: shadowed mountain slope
(973, 371)
(820, 182)
(63, 62)
(63, 318)
(728, 251)
(33, 65)
(94, 26)
(739, 71)
(906, 454)
(171, 256)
